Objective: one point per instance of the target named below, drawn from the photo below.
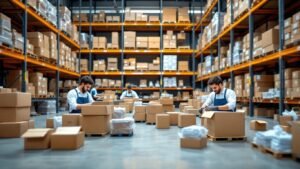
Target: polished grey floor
(148, 148)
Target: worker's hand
(201, 110)
(212, 108)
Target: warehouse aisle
(148, 148)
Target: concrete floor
(148, 148)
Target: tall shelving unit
(140, 28)
(263, 10)
(16, 59)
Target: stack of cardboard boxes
(17, 40)
(82, 16)
(129, 64)
(53, 45)
(143, 83)
(114, 41)
(129, 15)
(168, 104)
(100, 17)
(142, 66)
(270, 40)
(83, 65)
(5, 30)
(99, 65)
(169, 15)
(183, 66)
(142, 42)
(153, 42)
(14, 114)
(170, 41)
(112, 64)
(239, 85)
(140, 113)
(153, 18)
(155, 65)
(99, 42)
(108, 83)
(140, 17)
(262, 83)
(152, 110)
(181, 40)
(129, 39)
(292, 29)
(291, 83)
(40, 42)
(183, 14)
(40, 83)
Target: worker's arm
(72, 97)
(123, 95)
(135, 95)
(208, 101)
(231, 99)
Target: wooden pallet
(170, 70)
(141, 21)
(40, 96)
(140, 121)
(184, 21)
(129, 48)
(112, 48)
(150, 123)
(153, 21)
(31, 55)
(140, 48)
(184, 47)
(6, 46)
(169, 22)
(112, 70)
(292, 44)
(122, 135)
(275, 154)
(212, 138)
(170, 48)
(96, 135)
(154, 48)
(98, 48)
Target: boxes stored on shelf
(14, 79)
(169, 15)
(258, 125)
(129, 16)
(153, 42)
(185, 119)
(162, 121)
(116, 18)
(5, 22)
(224, 124)
(170, 62)
(67, 138)
(37, 139)
(13, 129)
(112, 64)
(183, 14)
(183, 66)
(142, 42)
(129, 39)
(153, 18)
(193, 142)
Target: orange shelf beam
(32, 13)
(206, 13)
(256, 62)
(232, 26)
(127, 73)
(141, 51)
(107, 73)
(178, 73)
(175, 88)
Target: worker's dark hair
(86, 80)
(215, 80)
(129, 87)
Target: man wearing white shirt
(221, 99)
(80, 96)
(129, 93)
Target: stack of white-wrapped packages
(276, 139)
(193, 137)
(290, 113)
(119, 124)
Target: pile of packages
(276, 139)
(119, 124)
(193, 137)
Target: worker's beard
(83, 89)
(218, 91)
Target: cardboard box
(270, 37)
(185, 120)
(181, 106)
(284, 120)
(258, 125)
(13, 129)
(15, 99)
(193, 143)
(14, 114)
(67, 138)
(5, 90)
(140, 116)
(49, 123)
(151, 111)
(296, 139)
(162, 121)
(224, 124)
(71, 120)
(168, 108)
(31, 124)
(37, 138)
(191, 111)
(166, 101)
(97, 110)
(173, 118)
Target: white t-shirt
(72, 97)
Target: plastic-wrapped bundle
(290, 113)
(282, 143)
(47, 107)
(119, 113)
(264, 138)
(193, 132)
(122, 126)
(57, 121)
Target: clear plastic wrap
(290, 113)
(193, 132)
(119, 113)
(47, 107)
(122, 126)
(57, 121)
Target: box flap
(36, 133)
(260, 122)
(208, 114)
(67, 130)
(95, 110)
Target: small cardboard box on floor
(71, 120)
(224, 124)
(67, 138)
(296, 139)
(140, 113)
(185, 119)
(151, 111)
(37, 138)
(258, 125)
(95, 119)
(173, 118)
(195, 143)
(162, 121)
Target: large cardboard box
(173, 117)
(224, 124)
(181, 106)
(168, 108)
(270, 37)
(49, 123)
(37, 138)
(13, 129)
(284, 120)
(151, 111)
(14, 114)
(67, 138)
(296, 139)
(166, 101)
(185, 120)
(162, 121)
(258, 125)
(196, 143)
(140, 113)
(71, 120)
(15, 99)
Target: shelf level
(205, 15)
(138, 51)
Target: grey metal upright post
(193, 44)
(79, 60)
(231, 44)
(219, 29)
(161, 47)
(251, 32)
(24, 33)
(201, 55)
(90, 35)
(122, 46)
(281, 60)
(58, 56)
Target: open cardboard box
(258, 125)
(37, 138)
(67, 138)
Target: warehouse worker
(221, 99)
(129, 93)
(79, 97)
(94, 93)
